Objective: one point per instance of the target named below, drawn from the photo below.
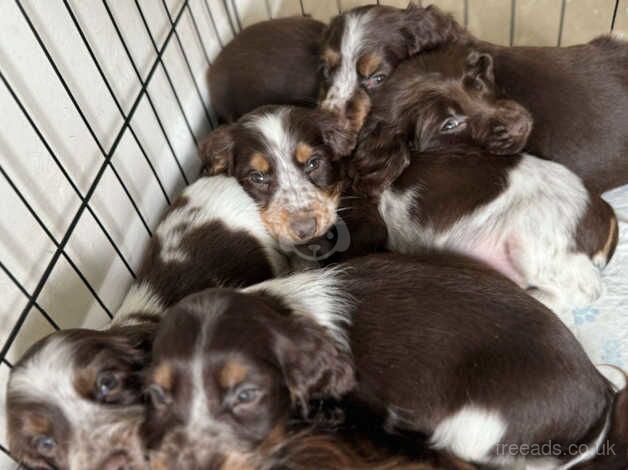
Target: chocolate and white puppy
(271, 62)
(75, 400)
(441, 99)
(577, 95)
(531, 219)
(438, 345)
(288, 159)
(362, 46)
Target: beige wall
(536, 22)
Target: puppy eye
(258, 177)
(45, 444)
(246, 395)
(158, 396)
(312, 164)
(106, 382)
(374, 80)
(378, 78)
(450, 124)
(325, 70)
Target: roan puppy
(272, 62)
(75, 399)
(438, 345)
(362, 46)
(432, 157)
(289, 159)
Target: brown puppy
(272, 62)
(440, 100)
(75, 400)
(578, 97)
(289, 159)
(362, 46)
(531, 219)
(438, 345)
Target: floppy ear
(216, 152)
(426, 28)
(478, 72)
(379, 159)
(338, 133)
(313, 364)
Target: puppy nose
(303, 228)
(117, 461)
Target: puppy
(451, 82)
(438, 345)
(362, 46)
(75, 399)
(288, 159)
(578, 97)
(531, 219)
(272, 62)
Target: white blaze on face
(346, 79)
(96, 429)
(294, 195)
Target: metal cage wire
(172, 39)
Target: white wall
(25, 249)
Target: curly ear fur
(379, 159)
(216, 152)
(479, 73)
(313, 365)
(426, 28)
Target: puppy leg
(558, 279)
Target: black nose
(117, 461)
(303, 228)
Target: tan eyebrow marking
(163, 375)
(232, 373)
(259, 162)
(368, 64)
(331, 57)
(303, 152)
(36, 425)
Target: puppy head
(288, 160)
(74, 401)
(440, 100)
(363, 46)
(227, 368)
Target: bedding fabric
(602, 328)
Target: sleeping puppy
(432, 157)
(75, 400)
(578, 96)
(272, 62)
(437, 345)
(289, 160)
(362, 46)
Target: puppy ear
(426, 28)
(313, 364)
(379, 159)
(478, 73)
(216, 152)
